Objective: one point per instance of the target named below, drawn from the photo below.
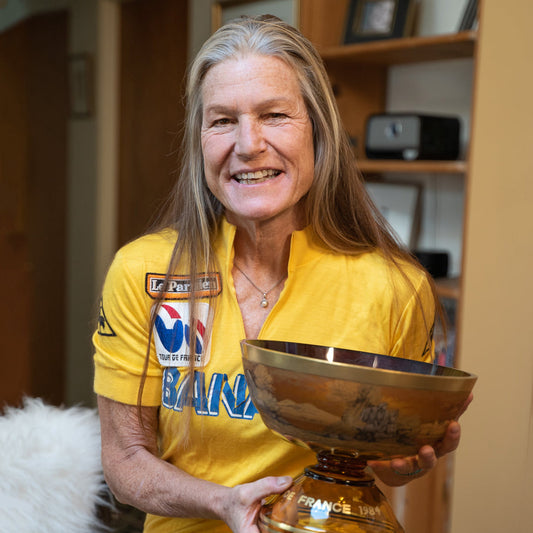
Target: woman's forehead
(250, 76)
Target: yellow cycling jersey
(357, 302)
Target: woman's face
(257, 138)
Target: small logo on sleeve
(180, 288)
(104, 328)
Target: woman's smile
(257, 176)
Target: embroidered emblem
(171, 334)
(104, 328)
(179, 287)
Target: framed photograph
(400, 204)
(373, 20)
(81, 85)
(225, 10)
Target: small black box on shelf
(434, 261)
(410, 137)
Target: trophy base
(335, 495)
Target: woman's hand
(400, 471)
(245, 501)
(138, 477)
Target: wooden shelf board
(448, 288)
(378, 166)
(405, 50)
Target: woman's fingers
(246, 501)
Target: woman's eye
(276, 116)
(221, 122)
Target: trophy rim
(270, 353)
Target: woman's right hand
(139, 478)
(244, 502)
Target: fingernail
(284, 480)
(455, 429)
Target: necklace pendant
(264, 301)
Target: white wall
(439, 16)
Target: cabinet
(359, 75)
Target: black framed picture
(373, 20)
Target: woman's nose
(250, 141)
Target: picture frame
(470, 15)
(373, 20)
(81, 94)
(400, 203)
(223, 11)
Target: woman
(270, 235)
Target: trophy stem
(337, 494)
(341, 466)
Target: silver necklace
(264, 301)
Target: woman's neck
(260, 268)
(264, 246)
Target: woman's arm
(139, 478)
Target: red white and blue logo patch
(172, 334)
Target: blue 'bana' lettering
(207, 402)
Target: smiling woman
(270, 234)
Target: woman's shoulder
(135, 262)
(143, 247)
(150, 251)
(375, 267)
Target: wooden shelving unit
(377, 166)
(407, 50)
(449, 288)
(359, 76)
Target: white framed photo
(400, 205)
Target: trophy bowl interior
(329, 398)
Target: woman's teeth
(255, 177)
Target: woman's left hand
(399, 471)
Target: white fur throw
(50, 469)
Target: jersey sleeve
(412, 336)
(121, 339)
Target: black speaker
(412, 137)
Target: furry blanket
(50, 469)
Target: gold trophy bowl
(348, 407)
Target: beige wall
(494, 469)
